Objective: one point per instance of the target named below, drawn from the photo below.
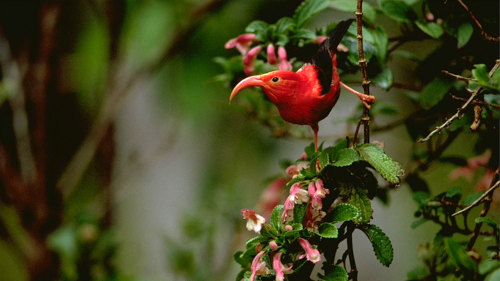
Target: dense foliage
(455, 91)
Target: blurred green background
(121, 158)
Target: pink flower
(317, 192)
(319, 40)
(342, 48)
(294, 170)
(255, 221)
(473, 164)
(258, 267)
(288, 210)
(271, 55)
(297, 194)
(242, 42)
(249, 60)
(311, 254)
(279, 268)
(284, 63)
(272, 196)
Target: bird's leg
(315, 129)
(366, 99)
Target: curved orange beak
(252, 81)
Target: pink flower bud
(273, 245)
(271, 55)
(429, 17)
(284, 63)
(288, 227)
(249, 60)
(342, 48)
(320, 39)
(242, 42)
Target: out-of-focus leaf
(398, 10)
(307, 10)
(381, 244)
(305, 34)
(284, 24)
(275, 219)
(406, 55)
(419, 273)
(430, 28)
(469, 199)
(384, 78)
(434, 92)
(381, 41)
(487, 221)
(328, 230)
(464, 33)
(487, 266)
(480, 73)
(259, 28)
(418, 223)
(369, 13)
(492, 99)
(388, 168)
(494, 276)
(458, 255)
(421, 197)
(338, 274)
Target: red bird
(307, 96)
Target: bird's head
(277, 85)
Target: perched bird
(307, 96)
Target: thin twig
(457, 77)
(478, 200)
(461, 109)
(485, 35)
(476, 102)
(362, 64)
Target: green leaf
(388, 168)
(380, 242)
(360, 200)
(284, 24)
(384, 78)
(421, 197)
(328, 230)
(406, 55)
(398, 10)
(344, 212)
(487, 266)
(307, 10)
(275, 219)
(259, 28)
(458, 255)
(299, 212)
(369, 13)
(454, 191)
(492, 98)
(469, 199)
(430, 28)
(418, 223)
(419, 273)
(464, 34)
(494, 276)
(487, 221)
(305, 34)
(345, 157)
(338, 274)
(381, 41)
(434, 92)
(480, 73)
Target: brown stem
(362, 63)
(483, 33)
(350, 250)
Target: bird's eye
(275, 79)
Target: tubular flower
(271, 55)
(242, 42)
(249, 60)
(255, 221)
(288, 210)
(279, 268)
(284, 63)
(311, 254)
(317, 192)
(297, 194)
(258, 267)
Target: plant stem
(362, 64)
(350, 249)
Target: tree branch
(362, 64)
(461, 109)
(483, 33)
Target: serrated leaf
(345, 157)
(381, 244)
(338, 274)
(464, 33)
(275, 219)
(458, 255)
(284, 24)
(307, 10)
(369, 13)
(398, 10)
(430, 28)
(328, 230)
(434, 92)
(375, 155)
(299, 212)
(360, 200)
(344, 212)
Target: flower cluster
(244, 42)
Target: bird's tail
(338, 33)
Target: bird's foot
(366, 99)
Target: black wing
(322, 60)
